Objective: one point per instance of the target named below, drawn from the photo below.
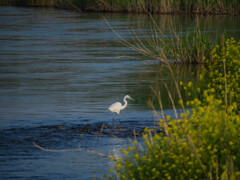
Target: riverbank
(133, 6)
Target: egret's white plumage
(117, 106)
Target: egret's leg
(113, 118)
(119, 118)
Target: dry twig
(70, 150)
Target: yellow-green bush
(222, 72)
(203, 145)
(205, 142)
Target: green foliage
(222, 72)
(196, 46)
(204, 145)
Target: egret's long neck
(125, 103)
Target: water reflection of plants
(164, 82)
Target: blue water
(59, 72)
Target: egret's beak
(132, 99)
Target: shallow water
(59, 72)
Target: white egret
(117, 107)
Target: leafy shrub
(203, 145)
(222, 72)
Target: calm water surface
(59, 72)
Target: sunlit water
(60, 71)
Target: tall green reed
(191, 48)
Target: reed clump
(203, 143)
(181, 47)
(140, 6)
(191, 48)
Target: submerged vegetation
(138, 6)
(204, 142)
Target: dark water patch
(18, 155)
(64, 134)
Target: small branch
(172, 101)
(75, 7)
(71, 150)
